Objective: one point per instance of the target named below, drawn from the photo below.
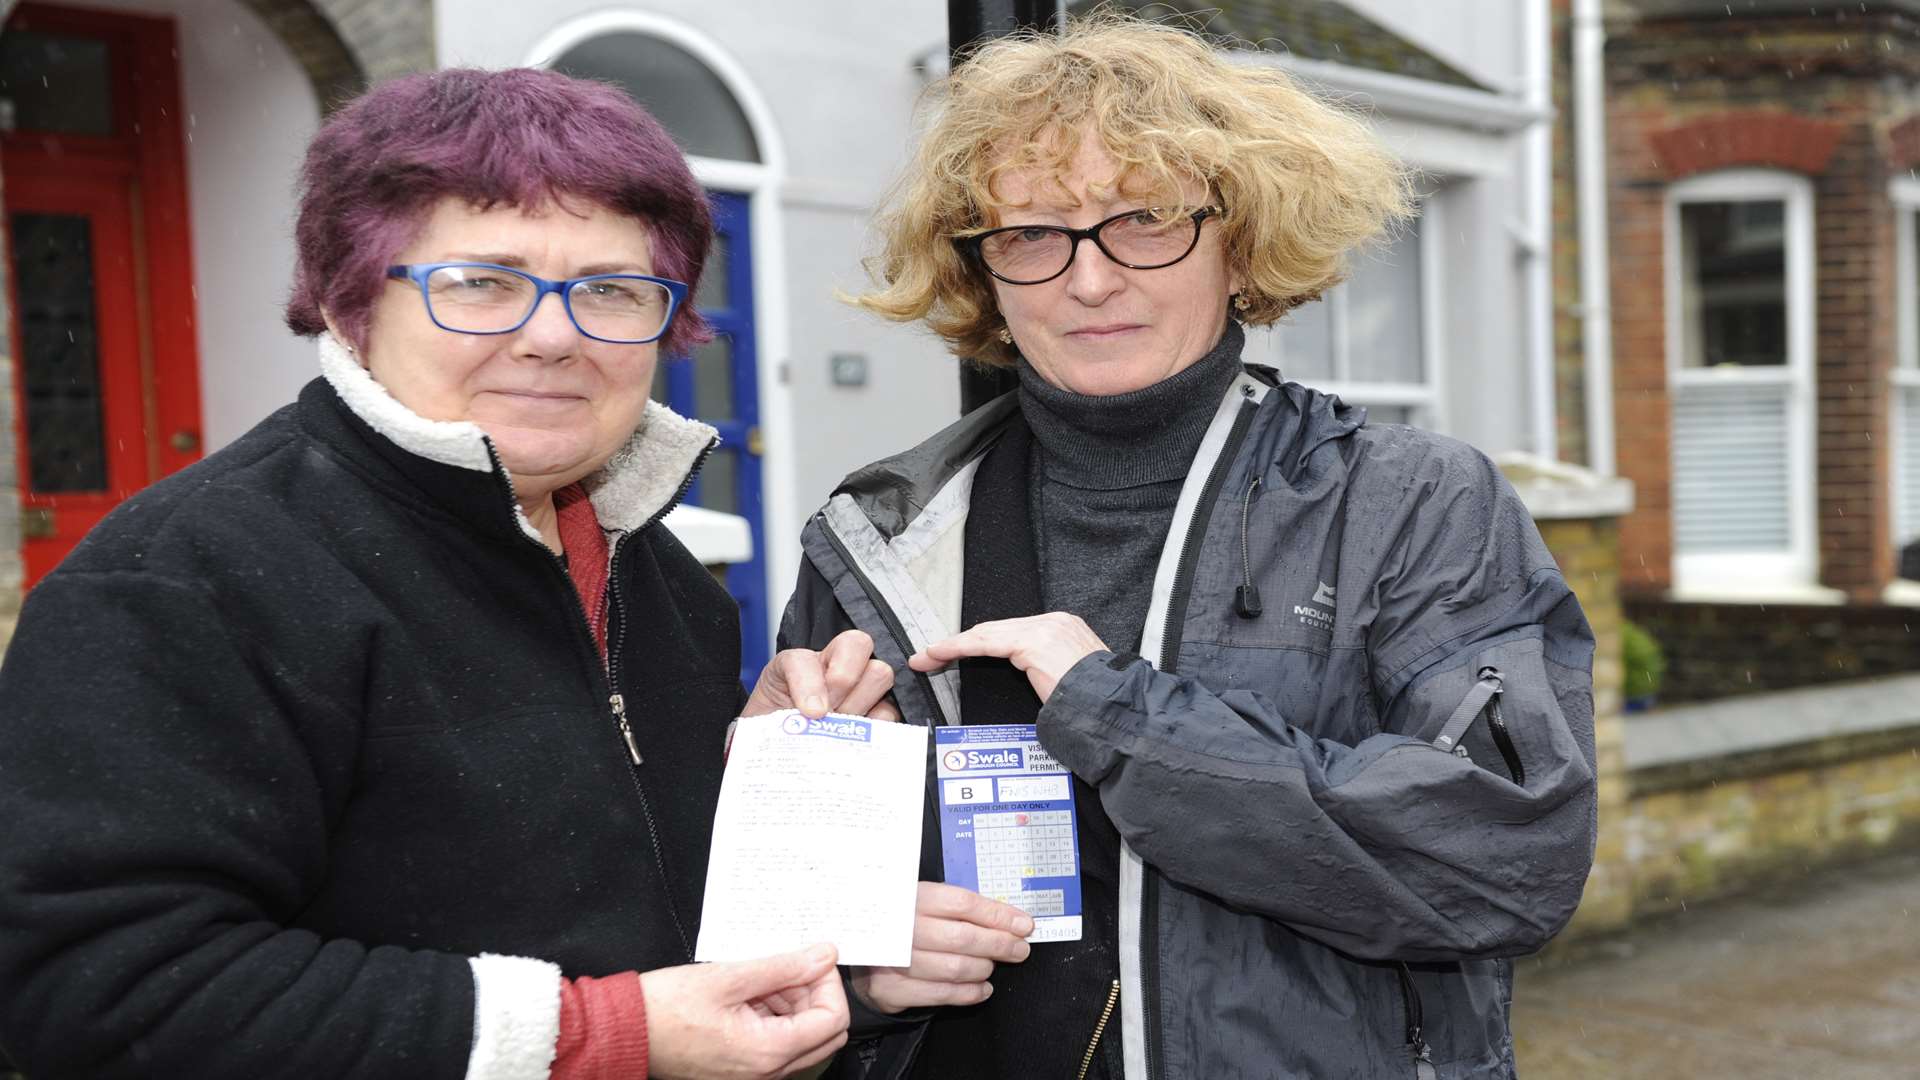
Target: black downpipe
(969, 23)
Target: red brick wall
(1814, 95)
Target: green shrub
(1644, 663)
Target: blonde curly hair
(1303, 181)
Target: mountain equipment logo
(1318, 618)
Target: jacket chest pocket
(1268, 575)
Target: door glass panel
(713, 380)
(719, 480)
(56, 82)
(1733, 283)
(60, 361)
(713, 278)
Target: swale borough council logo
(954, 760)
(794, 725)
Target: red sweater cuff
(603, 1029)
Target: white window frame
(1794, 570)
(1423, 399)
(1904, 377)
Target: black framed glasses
(484, 298)
(1136, 239)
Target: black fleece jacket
(297, 731)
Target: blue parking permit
(1007, 823)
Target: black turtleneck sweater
(1102, 475)
(1107, 472)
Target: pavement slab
(1817, 980)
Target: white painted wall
(1484, 44)
(250, 111)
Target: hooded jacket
(310, 766)
(1351, 766)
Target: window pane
(1383, 313)
(713, 380)
(1306, 347)
(713, 277)
(60, 361)
(719, 480)
(1733, 283)
(1906, 507)
(56, 82)
(681, 92)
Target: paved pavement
(1816, 981)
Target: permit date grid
(1013, 846)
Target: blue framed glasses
(484, 298)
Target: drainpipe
(1537, 26)
(1590, 180)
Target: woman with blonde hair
(1324, 696)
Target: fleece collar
(631, 489)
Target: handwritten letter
(817, 838)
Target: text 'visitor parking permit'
(1007, 824)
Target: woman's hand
(745, 1021)
(958, 936)
(843, 677)
(1043, 646)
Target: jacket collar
(643, 479)
(892, 492)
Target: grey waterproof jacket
(1339, 816)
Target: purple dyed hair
(521, 137)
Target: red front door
(106, 390)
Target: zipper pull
(1423, 1062)
(1246, 598)
(626, 730)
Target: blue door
(720, 385)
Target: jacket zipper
(1099, 1029)
(1170, 662)
(1416, 1025)
(1502, 736)
(616, 634)
(616, 631)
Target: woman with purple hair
(385, 741)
